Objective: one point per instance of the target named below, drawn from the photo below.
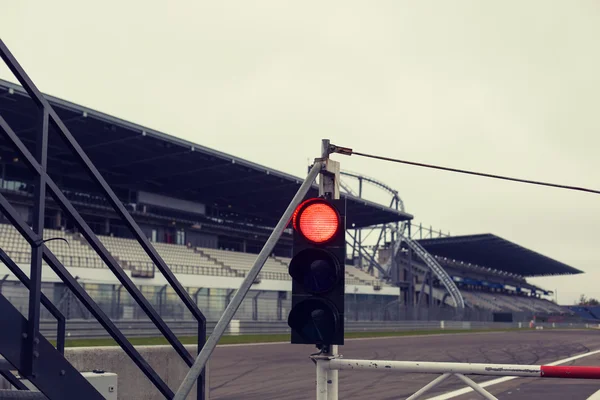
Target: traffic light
(317, 271)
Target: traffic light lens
(321, 276)
(315, 320)
(318, 222)
(316, 269)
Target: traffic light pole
(327, 379)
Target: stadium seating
(496, 301)
(71, 253)
(585, 312)
(242, 263)
(354, 276)
(215, 262)
(180, 259)
(472, 268)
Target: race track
(284, 371)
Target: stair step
(7, 394)
(55, 376)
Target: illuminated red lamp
(316, 220)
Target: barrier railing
(327, 388)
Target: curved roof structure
(135, 158)
(495, 252)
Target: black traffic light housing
(318, 273)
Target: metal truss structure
(400, 237)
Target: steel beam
(211, 343)
(39, 207)
(368, 256)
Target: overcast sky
(507, 87)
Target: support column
(31, 353)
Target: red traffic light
(316, 220)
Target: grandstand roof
(494, 252)
(133, 157)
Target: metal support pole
(255, 305)
(321, 380)
(367, 256)
(430, 386)
(280, 296)
(211, 343)
(22, 277)
(423, 288)
(2, 186)
(161, 292)
(430, 290)
(332, 377)
(410, 279)
(358, 232)
(35, 290)
(484, 393)
(196, 293)
(328, 189)
(2, 282)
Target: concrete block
(132, 383)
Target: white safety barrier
(327, 387)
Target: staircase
(219, 263)
(280, 261)
(22, 346)
(64, 382)
(437, 269)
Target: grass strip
(247, 339)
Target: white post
(329, 185)
(321, 379)
(332, 378)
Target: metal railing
(37, 164)
(419, 232)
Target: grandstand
(208, 214)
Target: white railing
(327, 367)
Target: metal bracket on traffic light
(321, 355)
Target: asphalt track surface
(284, 371)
